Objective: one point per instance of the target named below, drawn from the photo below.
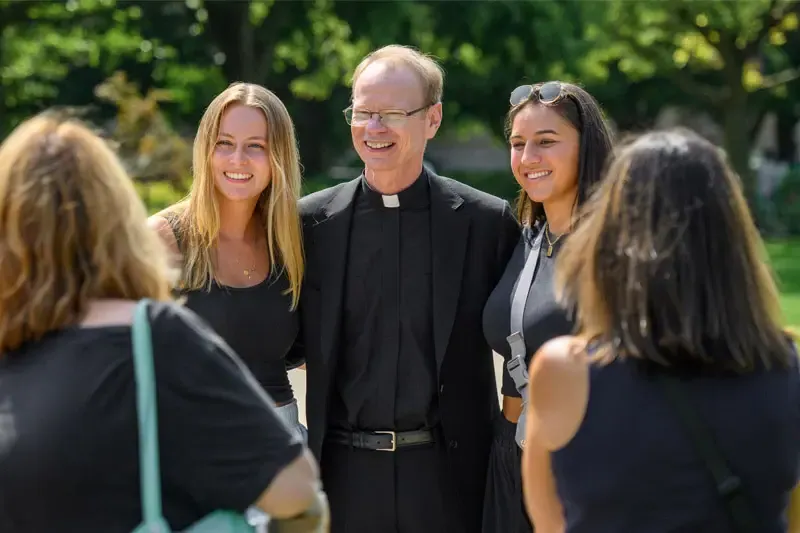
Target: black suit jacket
(473, 237)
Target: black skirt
(503, 506)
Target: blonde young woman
(75, 257)
(237, 235)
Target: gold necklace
(247, 271)
(549, 242)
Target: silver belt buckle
(394, 441)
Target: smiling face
(545, 150)
(240, 161)
(397, 147)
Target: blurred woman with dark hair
(677, 405)
(559, 144)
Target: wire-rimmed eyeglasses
(388, 117)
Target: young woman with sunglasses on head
(559, 144)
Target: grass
(785, 259)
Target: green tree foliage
(148, 146)
(736, 59)
(725, 57)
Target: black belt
(384, 441)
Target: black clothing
(472, 235)
(504, 508)
(257, 322)
(69, 439)
(387, 372)
(633, 467)
(403, 492)
(543, 319)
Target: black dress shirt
(386, 377)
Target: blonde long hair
(198, 219)
(72, 230)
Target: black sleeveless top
(632, 467)
(256, 322)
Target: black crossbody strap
(729, 486)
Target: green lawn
(785, 257)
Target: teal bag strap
(149, 463)
(150, 475)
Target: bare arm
(293, 491)
(559, 392)
(164, 230)
(794, 511)
(539, 488)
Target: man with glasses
(401, 390)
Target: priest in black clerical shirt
(401, 392)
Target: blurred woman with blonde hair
(237, 235)
(76, 258)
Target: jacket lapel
(331, 243)
(449, 232)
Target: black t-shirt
(543, 318)
(69, 438)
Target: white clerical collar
(390, 200)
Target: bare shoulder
(164, 230)
(561, 354)
(559, 390)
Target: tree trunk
(229, 27)
(313, 130)
(738, 143)
(787, 148)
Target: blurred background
(143, 72)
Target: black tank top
(256, 322)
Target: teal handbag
(150, 477)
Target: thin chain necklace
(549, 242)
(247, 271)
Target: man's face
(396, 142)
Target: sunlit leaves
(777, 37)
(473, 59)
(789, 22)
(642, 38)
(696, 47)
(752, 79)
(259, 11)
(190, 85)
(45, 43)
(325, 55)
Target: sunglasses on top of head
(547, 93)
